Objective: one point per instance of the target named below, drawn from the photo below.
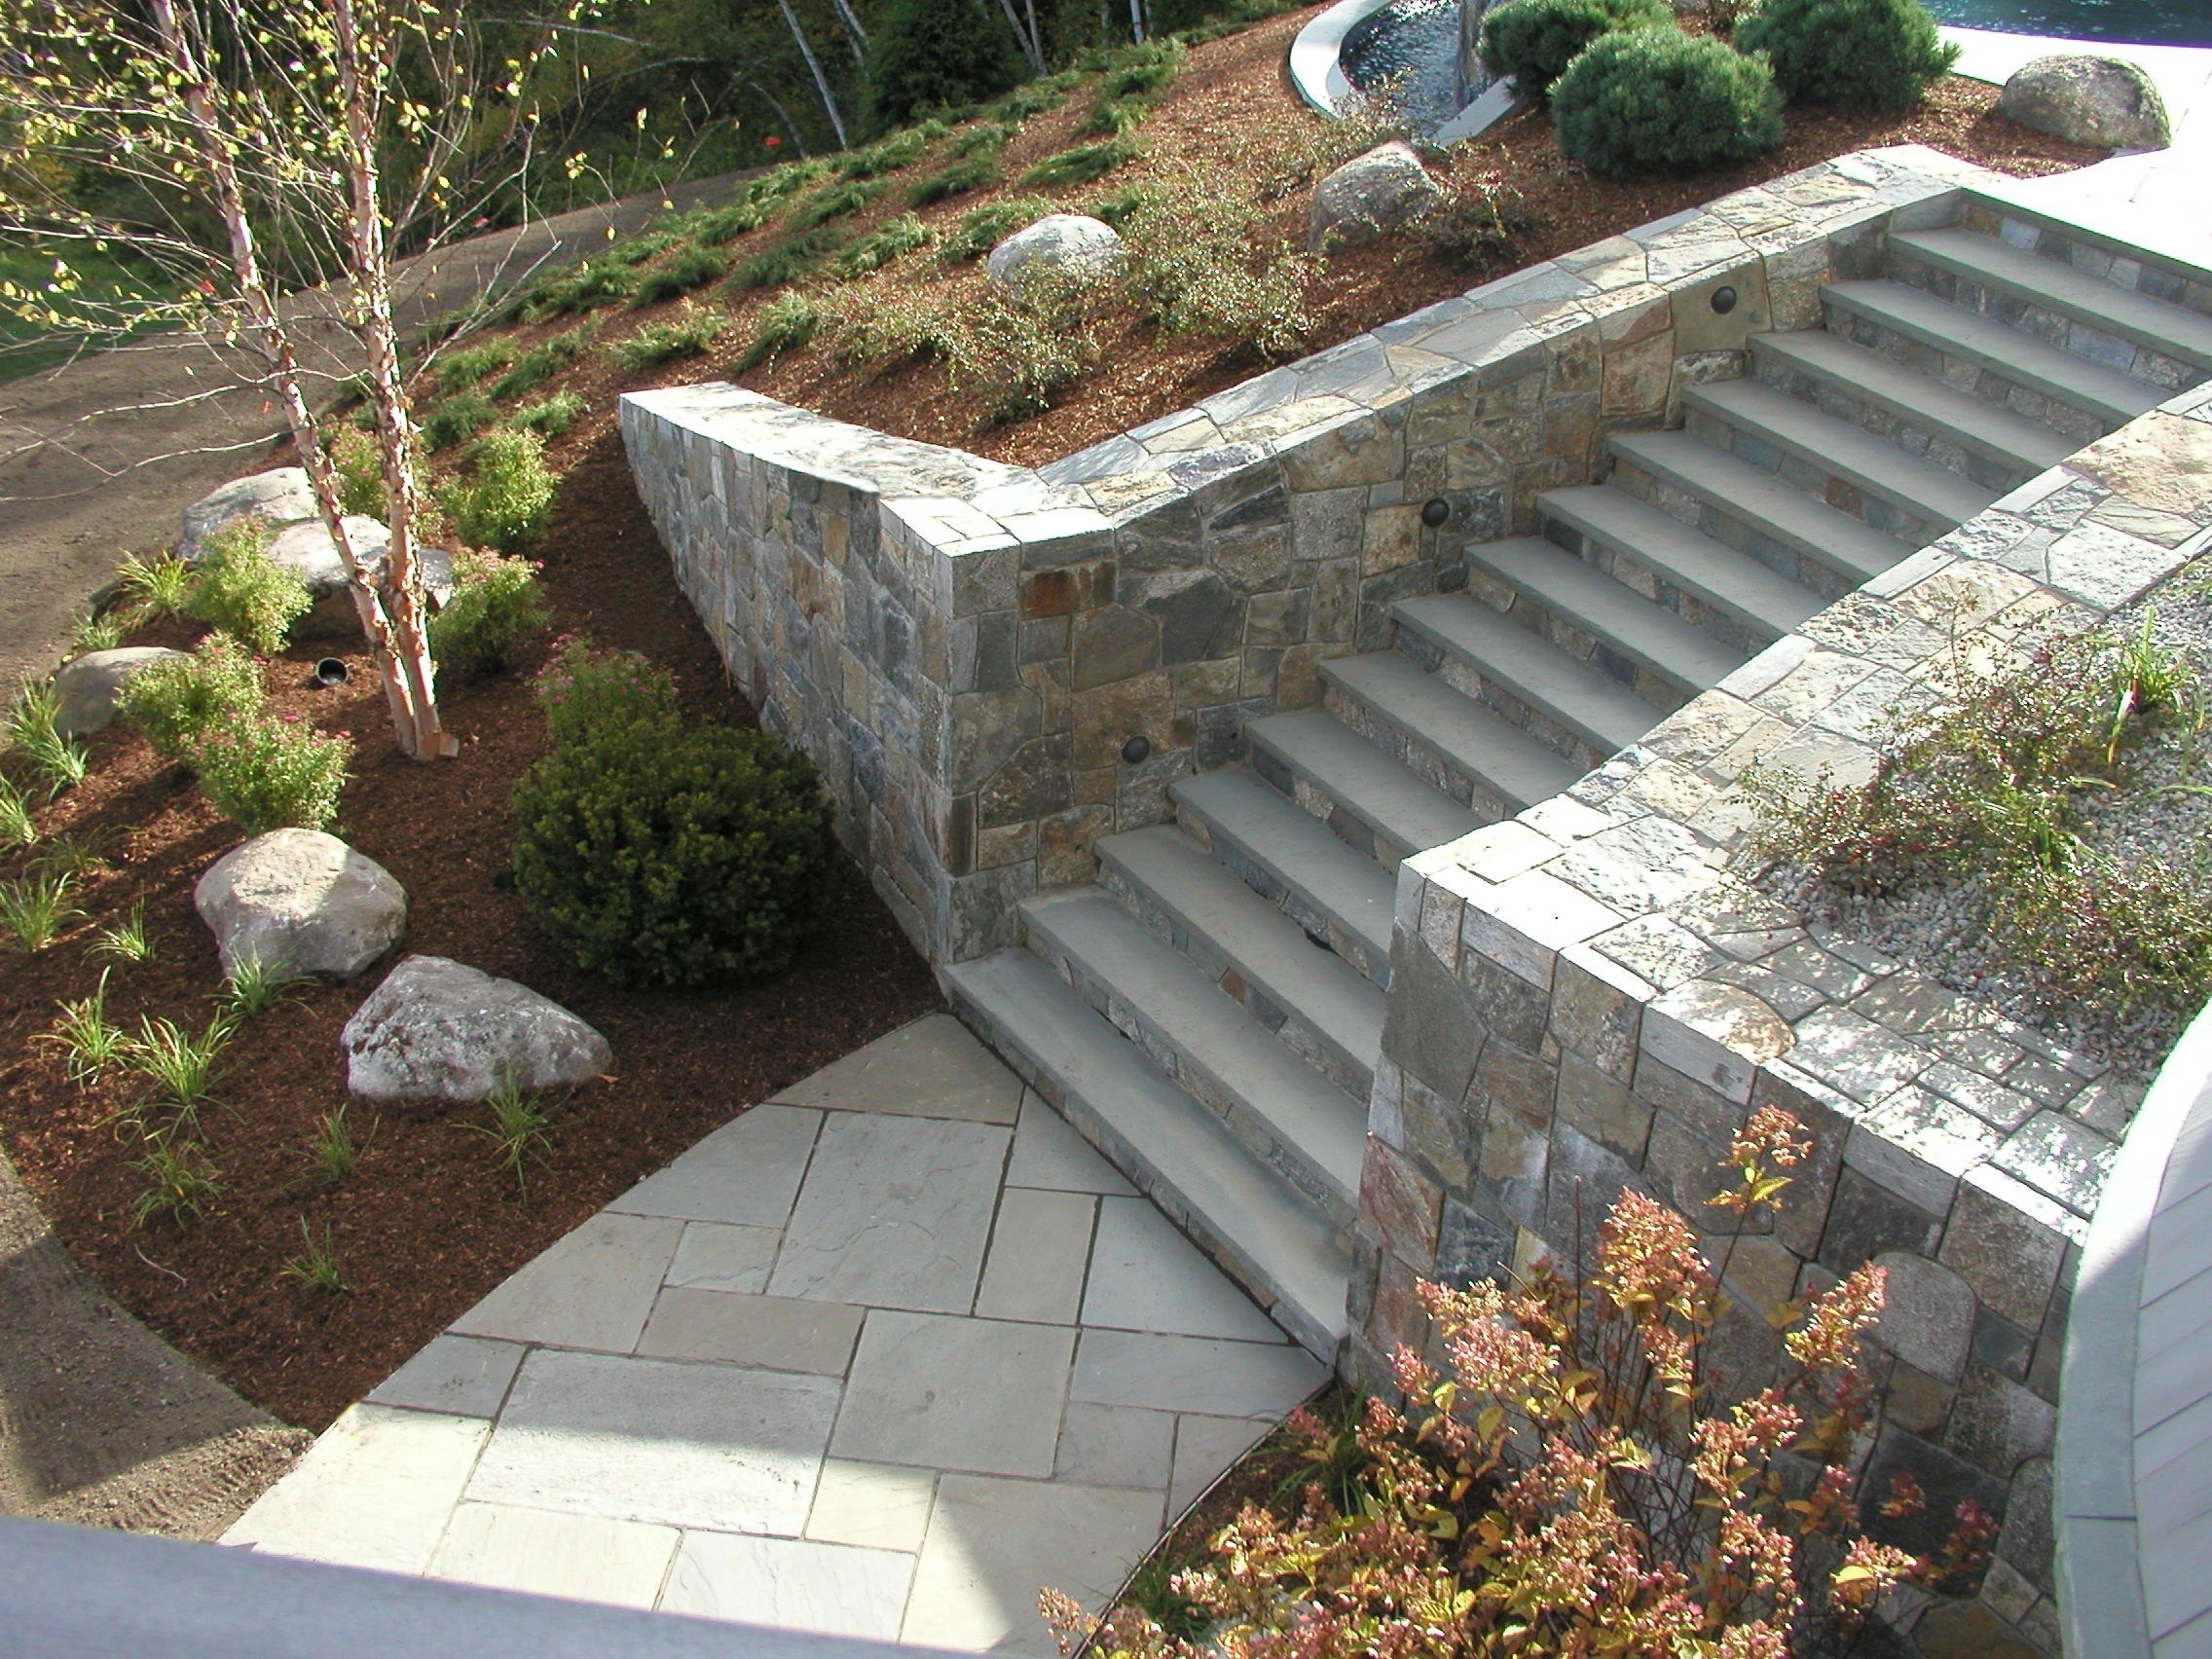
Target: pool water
(2147, 22)
(1414, 43)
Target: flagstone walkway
(882, 1357)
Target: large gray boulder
(2087, 99)
(301, 902)
(308, 551)
(438, 1031)
(86, 689)
(1370, 195)
(279, 497)
(1072, 246)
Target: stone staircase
(1211, 1013)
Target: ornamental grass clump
(1575, 1480)
(1864, 55)
(660, 854)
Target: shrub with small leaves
(1196, 265)
(506, 494)
(1479, 223)
(274, 774)
(1534, 41)
(1870, 54)
(176, 702)
(244, 592)
(878, 325)
(496, 606)
(691, 334)
(358, 464)
(1024, 352)
(1657, 102)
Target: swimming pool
(2147, 22)
(1416, 43)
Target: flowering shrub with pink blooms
(1567, 1477)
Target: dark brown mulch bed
(427, 1224)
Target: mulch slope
(427, 1224)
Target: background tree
(930, 53)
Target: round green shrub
(1534, 41)
(496, 604)
(1657, 101)
(1875, 54)
(665, 856)
(938, 54)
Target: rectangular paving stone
(541, 1552)
(893, 1214)
(1116, 1445)
(790, 1584)
(373, 1490)
(657, 1440)
(747, 1172)
(591, 1290)
(933, 1068)
(716, 1256)
(1145, 1275)
(779, 1333)
(945, 1393)
(994, 1543)
(874, 1505)
(465, 1375)
(1039, 1250)
(1204, 1448)
(1192, 1374)
(1048, 1152)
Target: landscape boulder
(439, 1031)
(301, 902)
(308, 553)
(1370, 195)
(2087, 99)
(279, 497)
(86, 689)
(1069, 244)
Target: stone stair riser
(1967, 374)
(1622, 565)
(1471, 681)
(1256, 1137)
(1284, 896)
(1416, 756)
(1577, 641)
(1817, 482)
(1914, 440)
(2016, 311)
(2131, 271)
(1316, 802)
(1196, 949)
(1711, 517)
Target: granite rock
(301, 902)
(439, 1031)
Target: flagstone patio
(882, 1357)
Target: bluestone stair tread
(1475, 741)
(1920, 400)
(2057, 286)
(1164, 1140)
(2012, 353)
(1313, 1120)
(1713, 572)
(1324, 993)
(1758, 500)
(1601, 713)
(1847, 451)
(1263, 825)
(1646, 634)
(1405, 810)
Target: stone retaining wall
(1585, 998)
(969, 650)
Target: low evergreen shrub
(786, 324)
(1534, 41)
(838, 201)
(791, 260)
(359, 465)
(897, 235)
(244, 592)
(1871, 55)
(549, 416)
(542, 361)
(663, 855)
(496, 606)
(1084, 164)
(469, 365)
(659, 343)
(505, 498)
(177, 701)
(458, 418)
(957, 178)
(689, 269)
(1649, 102)
(936, 54)
(982, 229)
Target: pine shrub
(660, 855)
(929, 53)
(506, 497)
(244, 592)
(496, 604)
(1534, 41)
(1659, 103)
(1870, 54)
(175, 702)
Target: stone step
(1503, 769)
(1828, 451)
(1961, 428)
(1286, 1114)
(1627, 629)
(2084, 313)
(1765, 604)
(1600, 715)
(1180, 1154)
(1291, 859)
(1817, 534)
(1323, 764)
(2012, 356)
(1318, 1004)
